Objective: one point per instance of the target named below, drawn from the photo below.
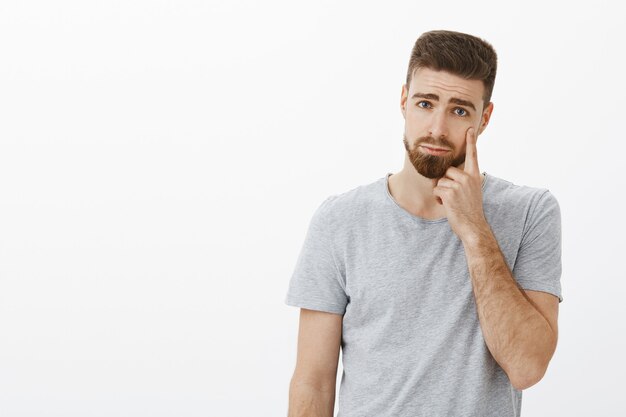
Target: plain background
(160, 162)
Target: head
(448, 90)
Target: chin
(431, 168)
(431, 175)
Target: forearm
(307, 400)
(518, 336)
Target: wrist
(476, 234)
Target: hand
(460, 192)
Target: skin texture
(519, 326)
(312, 386)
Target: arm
(520, 338)
(312, 387)
(519, 328)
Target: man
(441, 284)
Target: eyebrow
(454, 100)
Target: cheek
(458, 128)
(417, 118)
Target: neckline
(413, 216)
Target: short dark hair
(459, 53)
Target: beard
(432, 166)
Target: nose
(438, 126)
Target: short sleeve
(538, 263)
(316, 282)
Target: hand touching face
(460, 192)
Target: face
(438, 110)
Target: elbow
(522, 383)
(533, 370)
(528, 377)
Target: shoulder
(512, 196)
(519, 211)
(340, 208)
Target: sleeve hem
(315, 305)
(540, 286)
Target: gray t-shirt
(411, 342)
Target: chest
(407, 274)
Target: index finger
(471, 158)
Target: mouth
(434, 151)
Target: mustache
(429, 140)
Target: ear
(403, 96)
(484, 121)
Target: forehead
(444, 84)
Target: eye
(423, 101)
(463, 110)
